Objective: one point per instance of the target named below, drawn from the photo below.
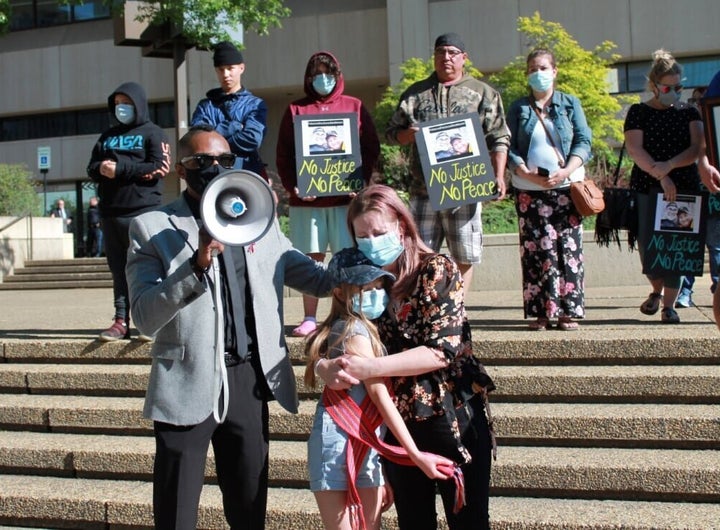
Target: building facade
(58, 64)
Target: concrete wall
(604, 267)
(32, 238)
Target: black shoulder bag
(620, 212)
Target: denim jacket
(568, 117)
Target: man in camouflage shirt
(448, 92)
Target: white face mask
(125, 113)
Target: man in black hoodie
(128, 163)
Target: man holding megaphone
(216, 310)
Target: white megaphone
(237, 207)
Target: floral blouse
(433, 316)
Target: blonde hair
(318, 345)
(663, 64)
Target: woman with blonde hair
(663, 137)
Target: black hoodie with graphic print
(141, 151)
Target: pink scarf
(360, 423)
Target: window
(28, 14)
(74, 123)
(698, 71)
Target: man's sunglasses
(203, 161)
(664, 89)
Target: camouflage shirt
(429, 99)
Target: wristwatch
(197, 269)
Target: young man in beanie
(450, 91)
(233, 111)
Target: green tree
(192, 17)
(17, 193)
(582, 73)
(4, 16)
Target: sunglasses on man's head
(664, 89)
(204, 161)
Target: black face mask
(198, 179)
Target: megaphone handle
(221, 378)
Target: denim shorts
(312, 230)
(327, 464)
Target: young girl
(345, 473)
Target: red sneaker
(119, 330)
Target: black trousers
(415, 492)
(117, 240)
(240, 445)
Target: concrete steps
(544, 424)
(78, 273)
(644, 474)
(595, 432)
(91, 504)
(610, 384)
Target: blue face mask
(374, 303)
(323, 84)
(381, 250)
(125, 113)
(541, 80)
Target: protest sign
(455, 161)
(327, 154)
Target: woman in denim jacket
(545, 157)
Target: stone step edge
(682, 426)
(595, 351)
(48, 500)
(619, 384)
(641, 474)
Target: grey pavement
(612, 312)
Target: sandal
(669, 316)
(566, 324)
(651, 305)
(541, 324)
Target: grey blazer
(169, 302)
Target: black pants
(240, 445)
(415, 492)
(117, 240)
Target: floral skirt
(551, 255)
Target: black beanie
(450, 39)
(226, 54)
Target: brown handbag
(586, 196)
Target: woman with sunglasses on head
(663, 137)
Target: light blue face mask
(541, 80)
(323, 83)
(125, 113)
(668, 99)
(374, 303)
(381, 250)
